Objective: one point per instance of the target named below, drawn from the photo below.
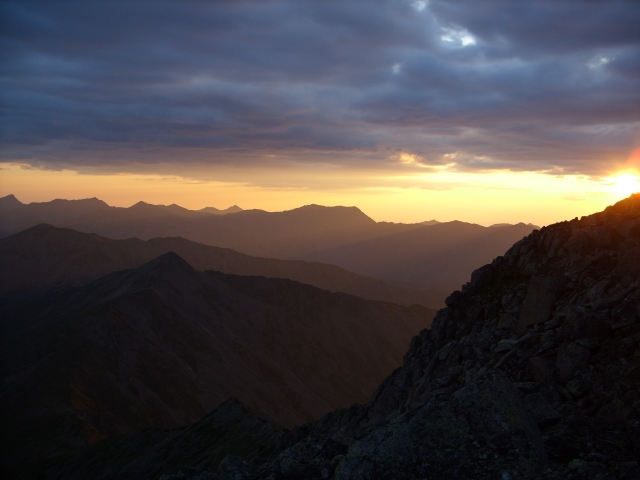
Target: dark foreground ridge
(531, 371)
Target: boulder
(542, 294)
(542, 369)
(571, 359)
(540, 410)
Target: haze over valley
(427, 260)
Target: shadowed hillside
(43, 257)
(163, 344)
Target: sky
(486, 111)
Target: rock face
(542, 294)
(483, 394)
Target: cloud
(545, 86)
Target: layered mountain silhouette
(16, 216)
(429, 256)
(9, 202)
(215, 211)
(43, 257)
(432, 257)
(531, 371)
(163, 344)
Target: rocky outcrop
(532, 371)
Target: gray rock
(505, 345)
(571, 359)
(542, 369)
(444, 351)
(542, 294)
(541, 412)
(482, 431)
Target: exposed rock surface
(162, 345)
(482, 396)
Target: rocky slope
(43, 257)
(162, 345)
(531, 371)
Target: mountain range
(161, 345)
(531, 371)
(431, 256)
(43, 257)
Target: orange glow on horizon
(625, 184)
(444, 195)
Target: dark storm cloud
(523, 85)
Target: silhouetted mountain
(163, 344)
(17, 216)
(429, 256)
(231, 209)
(432, 257)
(148, 211)
(43, 257)
(58, 212)
(9, 202)
(531, 371)
(530, 225)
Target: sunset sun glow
(409, 110)
(625, 184)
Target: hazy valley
(431, 257)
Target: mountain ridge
(45, 256)
(342, 236)
(163, 344)
(493, 389)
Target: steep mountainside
(44, 256)
(163, 344)
(531, 371)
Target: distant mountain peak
(141, 204)
(10, 202)
(217, 211)
(519, 224)
(352, 212)
(168, 261)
